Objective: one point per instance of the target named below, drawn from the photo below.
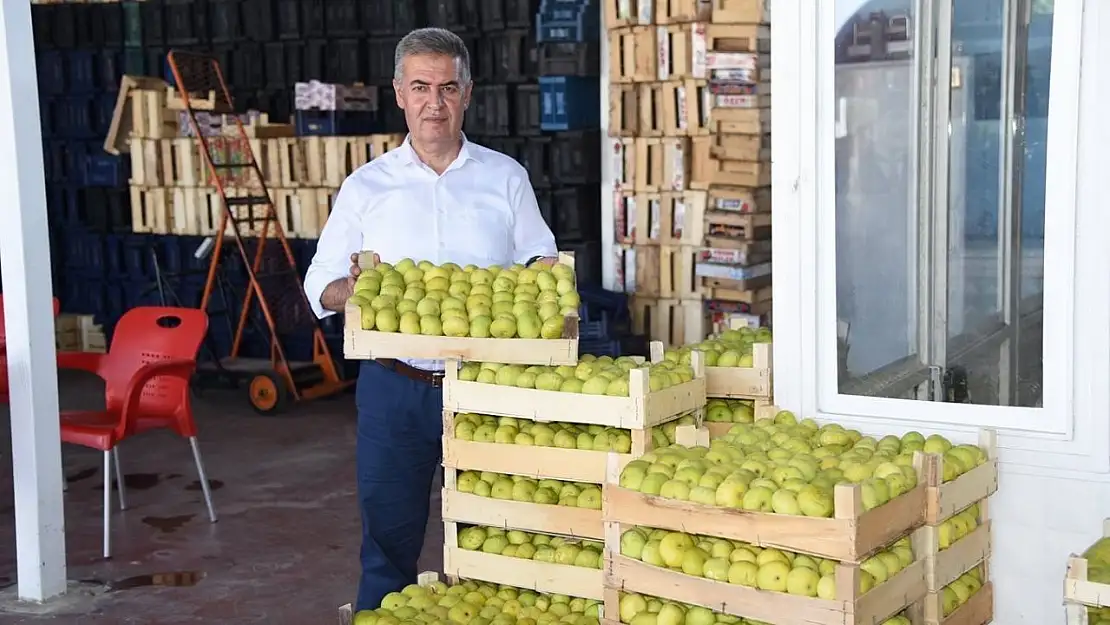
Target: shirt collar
(466, 153)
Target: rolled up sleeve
(341, 237)
(531, 235)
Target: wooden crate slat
(575, 581)
(753, 382)
(532, 517)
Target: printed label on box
(698, 48)
(678, 219)
(731, 61)
(663, 47)
(682, 107)
(630, 209)
(678, 162)
(736, 101)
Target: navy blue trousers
(399, 447)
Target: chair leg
(119, 479)
(203, 478)
(107, 504)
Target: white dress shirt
(481, 211)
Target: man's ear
(397, 94)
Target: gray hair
(437, 41)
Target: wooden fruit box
(460, 507)
(977, 610)
(763, 410)
(1079, 591)
(346, 612)
(944, 566)
(555, 463)
(359, 344)
(743, 382)
(575, 581)
(851, 535)
(641, 410)
(948, 498)
(850, 608)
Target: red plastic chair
(4, 350)
(146, 373)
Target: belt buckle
(437, 378)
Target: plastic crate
(105, 170)
(535, 157)
(342, 18)
(568, 23)
(569, 103)
(186, 21)
(392, 17)
(225, 21)
(577, 213)
(576, 157)
(570, 59)
(334, 123)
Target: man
(439, 198)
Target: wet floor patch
(136, 481)
(168, 524)
(176, 579)
(83, 474)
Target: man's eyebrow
(452, 83)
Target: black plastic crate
(379, 59)
(277, 65)
(300, 19)
(577, 212)
(42, 25)
(392, 17)
(63, 26)
(341, 18)
(134, 61)
(492, 14)
(526, 110)
(132, 18)
(521, 13)
(489, 112)
(570, 59)
(335, 123)
(587, 261)
(391, 119)
(110, 17)
(187, 21)
(457, 15)
(344, 61)
(315, 59)
(225, 21)
(288, 20)
(86, 32)
(248, 67)
(278, 103)
(108, 69)
(576, 157)
(536, 158)
(153, 17)
(106, 210)
(261, 24)
(506, 57)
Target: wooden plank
(740, 11)
(632, 54)
(531, 517)
(624, 107)
(681, 11)
(575, 581)
(150, 211)
(948, 498)
(573, 465)
(652, 116)
(742, 147)
(676, 271)
(755, 382)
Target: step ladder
(248, 215)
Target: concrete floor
(285, 549)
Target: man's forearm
(336, 294)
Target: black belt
(435, 378)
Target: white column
(29, 316)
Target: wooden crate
(167, 163)
(624, 110)
(135, 115)
(652, 113)
(706, 171)
(716, 38)
(947, 498)
(639, 411)
(292, 159)
(764, 409)
(676, 272)
(681, 11)
(346, 612)
(632, 54)
(748, 121)
(685, 108)
(660, 164)
(303, 212)
(1079, 591)
(753, 382)
(728, 230)
(677, 51)
(79, 333)
(742, 147)
(195, 210)
(620, 13)
(150, 211)
(977, 610)
(740, 11)
(741, 200)
(460, 507)
(669, 321)
(359, 344)
(575, 581)
(851, 535)
(669, 218)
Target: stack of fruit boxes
(641, 410)
(1087, 600)
(956, 538)
(849, 537)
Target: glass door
(940, 198)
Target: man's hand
(547, 261)
(337, 293)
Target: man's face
(432, 98)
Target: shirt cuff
(314, 284)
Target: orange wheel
(268, 393)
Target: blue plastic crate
(80, 71)
(335, 123)
(82, 296)
(178, 254)
(105, 170)
(135, 250)
(599, 348)
(593, 330)
(84, 253)
(575, 27)
(103, 107)
(71, 117)
(569, 103)
(566, 10)
(51, 68)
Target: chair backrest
(3, 332)
(150, 334)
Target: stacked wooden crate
(79, 333)
(733, 165)
(689, 126)
(551, 466)
(172, 191)
(846, 547)
(1087, 585)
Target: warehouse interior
(192, 151)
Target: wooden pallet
(150, 211)
(167, 163)
(753, 382)
(642, 409)
(79, 333)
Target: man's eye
(450, 89)
(421, 87)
